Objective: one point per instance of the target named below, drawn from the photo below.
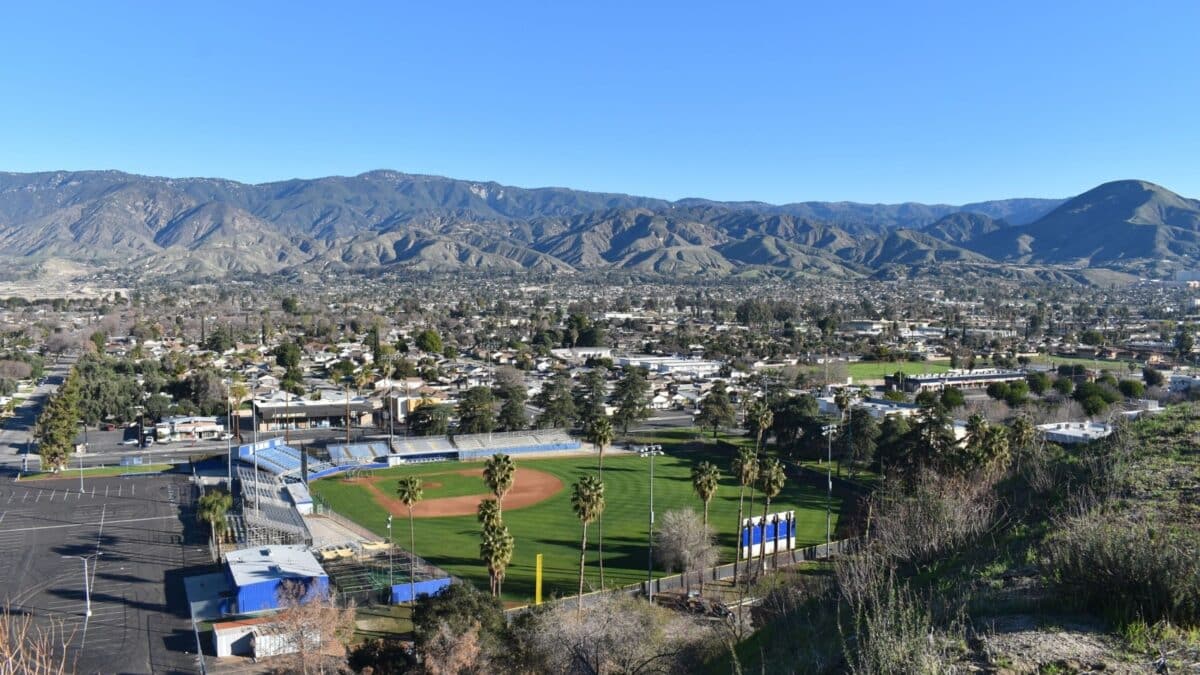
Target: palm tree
(496, 551)
(587, 499)
(600, 433)
(745, 467)
(771, 481)
(499, 472)
(409, 492)
(489, 513)
(1022, 434)
(212, 509)
(763, 418)
(705, 479)
(239, 392)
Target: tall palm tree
(489, 513)
(705, 479)
(745, 468)
(409, 492)
(587, 499)
(771, 483)
(496, 551)
(499, 472)
(761, 416)
(600, 433)
(213, 507)
(239, 392)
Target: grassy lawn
(1119, 368)
(877, 370)
(551, 528)
(382, 621)
(99, 471)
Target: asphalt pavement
(140, 537)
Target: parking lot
(139, 535)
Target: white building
(1068, 433)
(671, 365)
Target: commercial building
(286, 411)
(188, 429)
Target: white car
(131, 441)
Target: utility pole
(347, 418)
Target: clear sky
(872, 101)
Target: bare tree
(27, 648)
(685, 543)
(616, 633)
(451, 653)
(313, 629)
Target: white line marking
(105, 490)
(38, 498)
(24, 496)
(2, 516)
(58, 527)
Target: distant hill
(964, 226)
(202, 227)
(1128, 224)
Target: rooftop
(267, 563)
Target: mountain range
(199, 227)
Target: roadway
(16, 433)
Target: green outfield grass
(877, 370)
(551, 528)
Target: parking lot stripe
(59, 527)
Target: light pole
(829, 430)
(87, 585)
(650, 535)
(228, 444)
(391, 581)
(85, 445)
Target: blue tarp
(403, 592)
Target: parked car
(129, 441)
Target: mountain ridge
(384, 218)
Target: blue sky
(889, 101)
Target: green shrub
(1128, 569)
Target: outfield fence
(680, 582)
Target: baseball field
(538, 513)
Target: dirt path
(530, 487)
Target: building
(1182, 383)
(286, 411)
(257, 574)
(979, 378)
(189, 429)
(1069, 433)
(674, 366)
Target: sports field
(877, 370)
(550, 527)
